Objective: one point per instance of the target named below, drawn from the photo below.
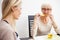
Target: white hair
(46, 5)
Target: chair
(30, 23)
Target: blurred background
(31, 7)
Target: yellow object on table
(50, 36)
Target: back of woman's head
(6, 6)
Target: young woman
(43, 23)
(11, 11)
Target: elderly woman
(10, 12)
(43, 23)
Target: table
(45, 37)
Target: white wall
(31, 7)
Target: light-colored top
(6, 31)
(41, 28)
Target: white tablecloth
(54, 37)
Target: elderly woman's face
(46, 10)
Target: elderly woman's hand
(38, 14)
(51, 17)
(53, 22)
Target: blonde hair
(6, 6)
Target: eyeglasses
(46, 9)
